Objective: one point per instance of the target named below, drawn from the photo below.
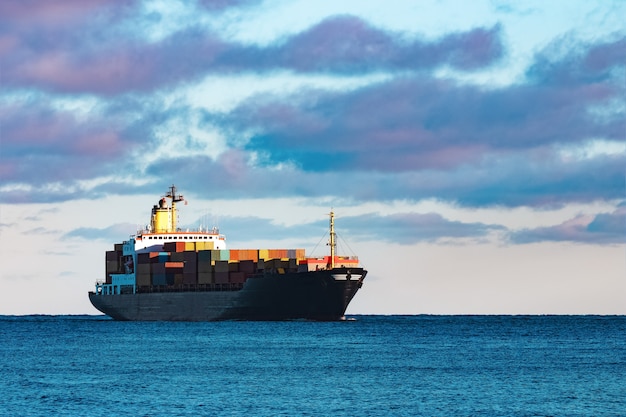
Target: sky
(474, 152)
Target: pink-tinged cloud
(117, 68)
(41, 145)
(56, 13)
(92, 53)
(602, 228)
(347, 44)
(221, 5)
(395, 125)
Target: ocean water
(369, 366)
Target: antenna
(175, 199)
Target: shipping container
(159, 279)
(113, 255)
(247, 267)
(143, 258)
(189, 256)
(174, 246)
(143, 280)
(204, 255)
(190, 246)
(220, 254)
(221, 266)
(157, 268)
(237, 277)
(177, 256)
(204, 266)
(190, 278)
(174, 265)
(205, 277)
(113, 267)
(143, 269)
(190, 267)
(159, 257)
(233, 266)
(221, 277)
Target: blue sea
(367, 366)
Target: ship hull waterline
(316, 295)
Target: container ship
(163, 273)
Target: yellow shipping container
(264, 254)
(190, 246)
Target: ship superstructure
(165, 273)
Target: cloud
(602, 228)
(96, 52)
(222, 5)
(401, 228)
(111, 233)
(411, 137)
(410, 228)
(347, 44)
(563, 64)
(417, 122)
(42, 145)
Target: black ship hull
(317, 295)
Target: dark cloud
(41, 145)
(603, 228)
(528, 180)
(347, 44)
(415, 123)
(410, 137)
(96, 52)
(561, 64)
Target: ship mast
(175, 199)
(333, 241)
